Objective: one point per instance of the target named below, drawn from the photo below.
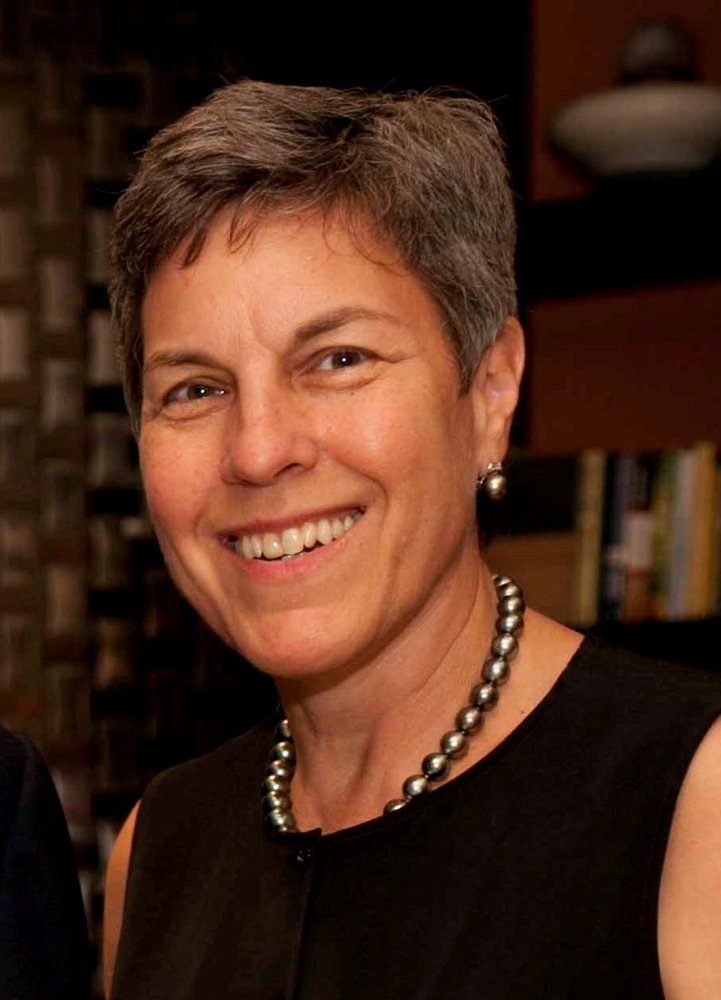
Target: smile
(295, 540)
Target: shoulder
(668, 735)
(663, 723)
(644, 692)
(15, 755)
(180, 811)
(207, 782)
(13, 748)
(603, 659)
(116, 879)
(29, 804)
(690, 895)
(43, 945)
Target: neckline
(387, 821)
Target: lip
(290, 570)
(278, 525)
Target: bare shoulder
(689, 925)
(115, 882)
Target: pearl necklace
(435, 767)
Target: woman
(315, 303)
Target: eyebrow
(338, 318)
(326, 323)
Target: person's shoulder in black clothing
(43, 937)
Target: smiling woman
(281, 438)
(322, 364)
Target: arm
(689, 925)
(115, 883)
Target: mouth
(294, 541)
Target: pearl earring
(493, 481)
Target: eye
(192, 391)
(344, 357)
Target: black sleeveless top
(533, 874)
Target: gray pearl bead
(272, 783)
(510, 624)
(280, 820)
(496, 670)
(282, 730)
(416, 785)
(495, 485)
(436, 766)
(511, 606)
(280, 769)
(276, 800)
(454, 744)
(484, 696)
(469, 719)
(503, 646)
(284, 751)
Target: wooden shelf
(628, 234)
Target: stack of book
(606, 536)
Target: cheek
(384, 444)
(171, 477)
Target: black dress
(534, 874)
(44, 952)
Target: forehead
(281, 273)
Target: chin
(293, 646)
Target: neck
(357, 740)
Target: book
(590, 491)
(618, 494)
(637, 541)
(614, 537)
(701, 596)
(551, 533)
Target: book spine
(637, 543)
(589, 526)
(701, 578)
(680, 539)
(662, 507)
(716, 545)
(613, 569)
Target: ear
(495, 390)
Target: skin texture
(282, 436)
(296, 377)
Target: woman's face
(295, 388)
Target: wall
(628, 370)
(637, 369)
(575, 50)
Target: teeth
(272, 547)
(293, 541)
(310, 535)
(324, 532)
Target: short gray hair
(426, 170)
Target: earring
(493, 481)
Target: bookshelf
(621, 292)
(606, 537)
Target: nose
(268, 434)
